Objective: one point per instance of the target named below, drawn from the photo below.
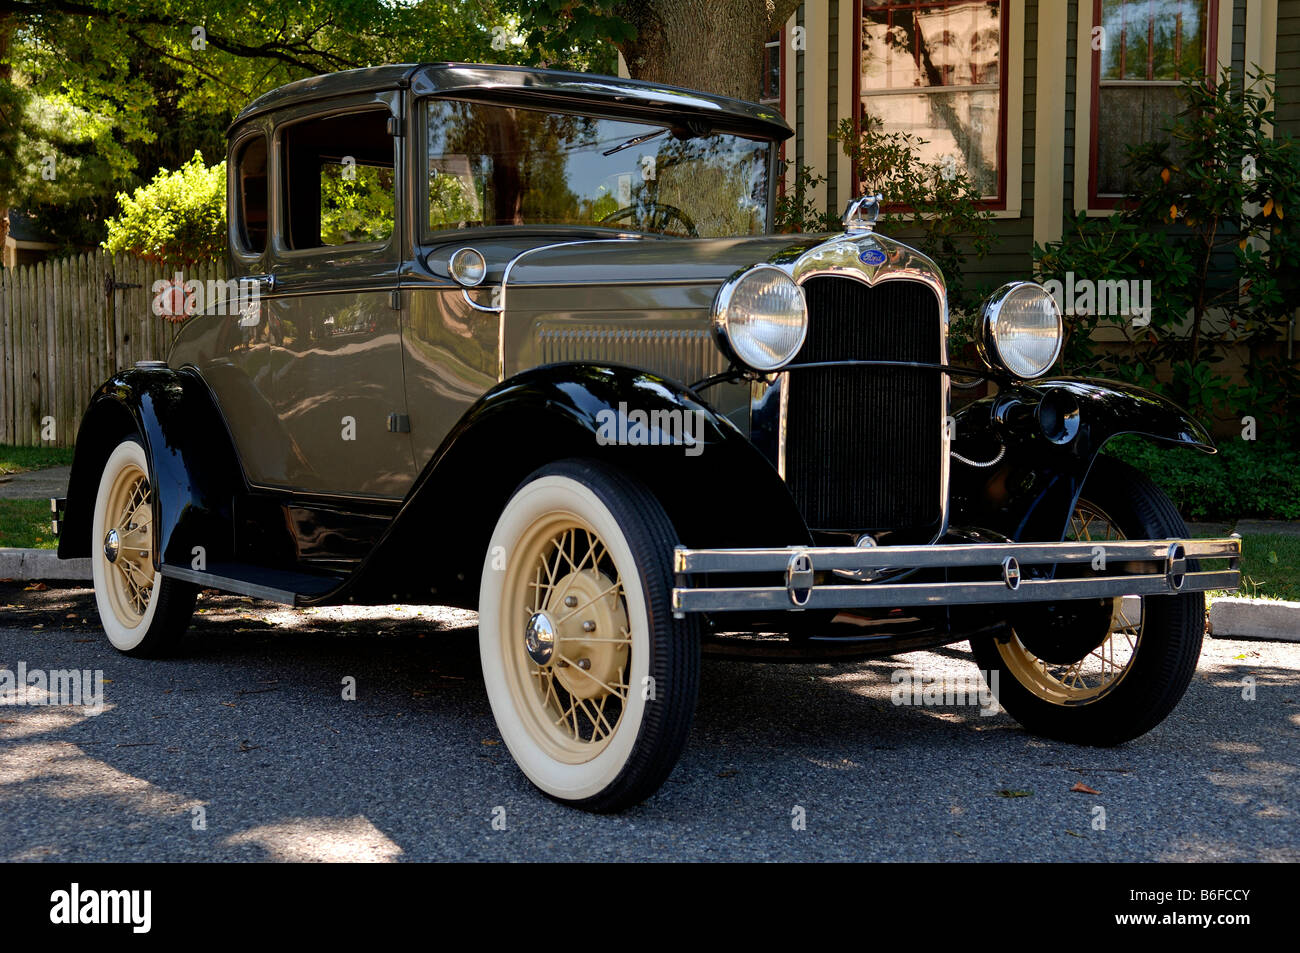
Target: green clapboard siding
(1288, 68)
(1011, 258)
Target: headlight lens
(1022, 329)
(761, 318)
(468, 266)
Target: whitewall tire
(591, 680)
(141, 612)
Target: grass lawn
(16, 459)
(1270, 567)
(26, 524)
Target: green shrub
(177, 218)
(1244, 480)
(1208, 227)
(797, 209)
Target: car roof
(526, 86)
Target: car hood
(641, 261)
(866, 256)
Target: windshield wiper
(634, 141)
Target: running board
(273, 585)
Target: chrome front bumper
(1114, 568)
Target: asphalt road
(251, 728)
(35, 484)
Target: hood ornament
(860, 217)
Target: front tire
(142, 613)
(1098, 672)
(592, 681)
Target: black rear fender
(193, 469)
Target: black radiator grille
(864, 444)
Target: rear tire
(592, 681)
(142, 613)
(1085, 700)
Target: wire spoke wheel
(573, 659)
(1100, 668)
(128, 545)
(142, 613)
(125, 543)
(1100, 671)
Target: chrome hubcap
(112, 545)
(539, 638)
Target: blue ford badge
(872, 256)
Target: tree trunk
(6, 75)
(711, 45)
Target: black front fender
(193, 469)
(1050, 433)
(720, 491)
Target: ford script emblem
(873, 256)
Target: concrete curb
(1231, 617)
(27, 564)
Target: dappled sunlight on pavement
(350, 840)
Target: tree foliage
(937, 202)
(115, 91)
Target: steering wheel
(652, 217)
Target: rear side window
(251, 195)
(338, 181)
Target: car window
(339, 181)
(500, 165)
(251, 195)
(356, 203)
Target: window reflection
(498, 165)
(933, 70)
(1147, 47)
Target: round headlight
(1022, 329)
(761, 318)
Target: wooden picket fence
(67, 326)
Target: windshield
(502, 165)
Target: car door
(332, 305)
(233, 345)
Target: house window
(937, 71)
(770, 83)
(1142, 51)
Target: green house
(1037, 99)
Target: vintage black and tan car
(525, 341)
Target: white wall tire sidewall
(124, 638)
(569, 782)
